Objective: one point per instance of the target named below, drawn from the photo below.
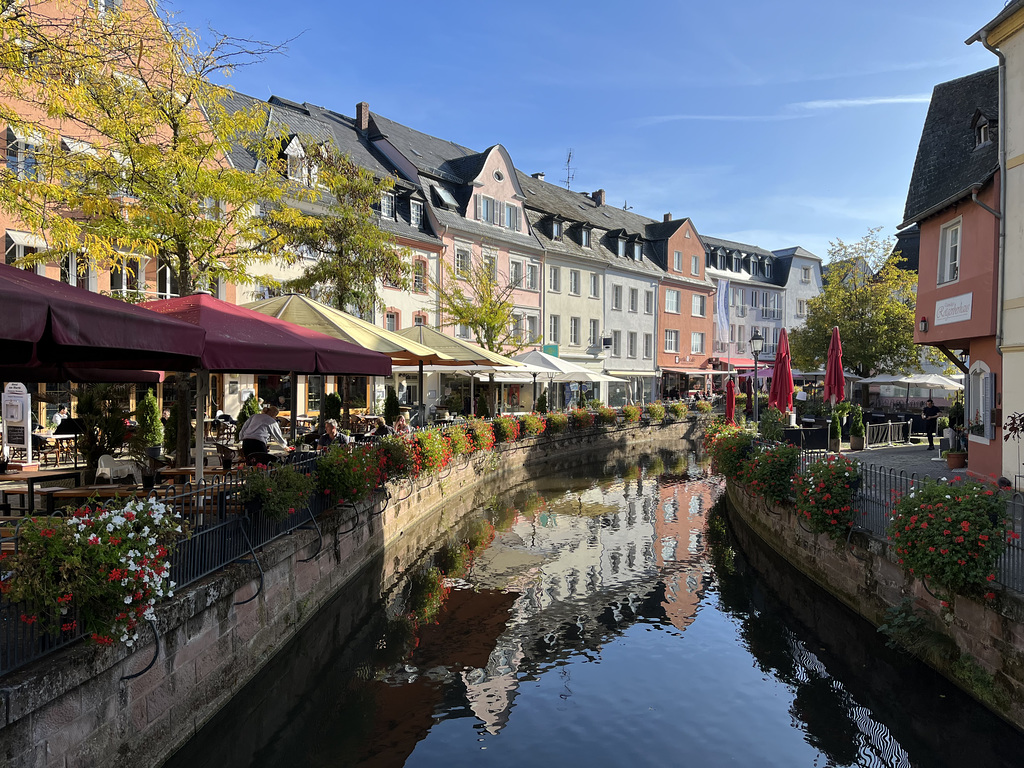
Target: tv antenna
(570, 172)
(626, 206)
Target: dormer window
(622, 246)
(585, 237)
(416, 214)
(556, 229)
(638, 251)
(387, 205)
(981, 134)
(767, 268)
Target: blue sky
(774, 123)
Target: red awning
(242, 340)
(44, 322)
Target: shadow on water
(611, 621)
(859, 701)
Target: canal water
(603, 619)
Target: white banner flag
(722, 311)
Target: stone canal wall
(867, 577)
(75, 709)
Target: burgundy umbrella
(45, 322)
(243, 341)
(835, 382)
(781, 394)
(730, 401)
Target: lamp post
(756, 347)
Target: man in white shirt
(258, 430)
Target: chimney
(538, 176)
(363, 116)
(598, 197)
(667, 218)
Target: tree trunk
(346, 419)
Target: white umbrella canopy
(586, 375)
(933, 381)
(550, 364)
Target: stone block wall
(76, 709)
(868, 579)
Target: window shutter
(476, 199)
(519, 218)
(496, 212)
(988, 402)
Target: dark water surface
(597, 629)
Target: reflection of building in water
(679, 529)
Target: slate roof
(948, 163)
(429, 154)
(783, 264)
(908, 242)
(309, 121)
(778, 277)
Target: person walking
(931, 418)
(258, 430)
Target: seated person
(330, 436)
(382, 428)
(258, 430)
(402, 426)
(62, 413)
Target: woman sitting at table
(382, 428)
(402, 426)
(258, 430)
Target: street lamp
(756, 347)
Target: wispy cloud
(871, 101)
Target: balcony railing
(771, 313)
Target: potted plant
(149, 434)
(856, 428)
(956, 459)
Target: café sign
(954, 309)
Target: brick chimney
(667, 217)
(363, 116)
(598, 197)
(538, 176)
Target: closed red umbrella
(781, 394)
(730, 400)
(835, 382)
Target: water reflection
(606, 618)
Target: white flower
(127, 599)
(110, 527)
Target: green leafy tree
(482, 299)
(871, 299)
(147, 415)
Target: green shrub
(770, 473)
(656, 412)
(678, 410)
(557, 422)
(433, 451)
(483, 434)
(532, 424)
(482, 409)
(581, 419)
(506, 429)
(460, 440)
(348, 475)
(825, 494)
(856, 421)
(396, 457)
(542, 403)
(951, 534)
(332, 406)
(607, 417)
(941, 424)
(773, 422)
(147, 414)
(392, 410)
(703, 407)
(280, 491)
(250, 407)
(631, 414)
(729, 450)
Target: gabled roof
(779, 276)
(429, 154)
(949, 164)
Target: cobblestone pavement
(912, 459)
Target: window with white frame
(554, 322)
(416, 214)
(595, 285)
(631, 344)
(585, 237)
(622, 247)
(517, 327)
(391, 321)
(419, 319)
(574, 282)
(574, 331)
(672, 341)
(462, 331)
(616, 297)
(805, 274)
(127, 275)
(512, 213)
(801, 307)
(22, 154)
(949, 251)
(554, 279)
(515, 273)
(595, 332)
(634, 300)
(76, 270)
(556, 229)
(531, 276)
(166, 281)
(18, 245)
(753, 299)
(638, 251)
(616, 343)
(767, 267)
(531, 327)
(696, 343)
(672, 301)
(737, 297)
(419, 276)
(490, 259)
(695, 265)
(648, 302)
(648, 346)
(486, 210)
(699, 308)
(677, 261)
(463, 262)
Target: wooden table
(30, 479)
(182, 474)
(97, 492)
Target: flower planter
(835, 444)
(856, 442)
(956, 460)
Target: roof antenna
(626, 206)
(570, 172)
